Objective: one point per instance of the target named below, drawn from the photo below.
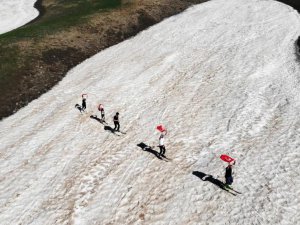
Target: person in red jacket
(101, 109)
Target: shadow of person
(210, 178)
(147, 148)
(77, 106)
(108, 128)
(96, 118)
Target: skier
(116, 122)
(83, 107)
(228, 175)
(101, 109)
(161, 145)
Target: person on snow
(101, 109)
(116, 122)
(161, 145)
(228, 175)
(83, 106)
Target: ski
(121, 132)
(231, 189)
(162, 158)
(166, 158)
(230, 192)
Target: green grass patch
(9, 58)
(62, 15)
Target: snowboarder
(228, 175)
(116, 122)
(101, 109)
(83, 106)
(161, 145)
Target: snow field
(223, 78)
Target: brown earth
(52, 56)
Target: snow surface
(16, 13)
(223, 77)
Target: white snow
(16, 13)
(223, 78)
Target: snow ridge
(223, 78)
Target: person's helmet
(117, 113)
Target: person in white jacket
(161, 145)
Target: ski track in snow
(223, 77)
(16, 13)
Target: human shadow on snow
(210, 178)
(96, 118)
(110, 129)
(149, 149)
(106, 127)
(77, 106)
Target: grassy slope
(60, 15)
(35, 57)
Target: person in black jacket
(83, 105)
(116, 122)
(228, 175)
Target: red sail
(161, 128)
(227, 158)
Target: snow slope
(222, 76)
(16, 13)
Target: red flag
(161, 128)
(227, 158)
